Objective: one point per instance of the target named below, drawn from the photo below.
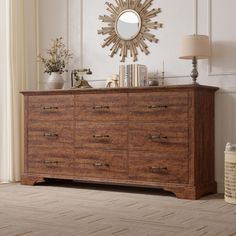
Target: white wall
(77, 21)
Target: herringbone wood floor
(85, 210)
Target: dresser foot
(192, 193)
(31, 180)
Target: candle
(163, 69)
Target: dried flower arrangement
(56, 58)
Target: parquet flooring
(84, 210)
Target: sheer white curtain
(12, 80)
(5, 129)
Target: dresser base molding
(192, 193)
(31, 180)
(180, 191)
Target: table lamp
(195, 47)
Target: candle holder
(162, 79)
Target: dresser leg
(193, 193)
(30, 180)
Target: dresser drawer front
(158, 106)
(53, 107)
(101, 107)
(61, 152)
(100, 163)
(50, 134)
(159, 167)
(50, 165)
(158, 136)
(101, 135)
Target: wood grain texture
(158, 136)
(51, 165)
(104, 136)
(159, 167)
(151, 137)
(97, 163)
(53, 107)
(55, 134)
(50, 160)
(204, 137)
(101, 107)
(27, 179)
(159, 106)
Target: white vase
(55, 81)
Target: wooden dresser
(157, 137)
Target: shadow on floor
(103, 187)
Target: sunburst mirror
(128, 27)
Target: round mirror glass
(128, 24)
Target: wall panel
(221, 17)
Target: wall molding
(37, 41)
(42, 81)
(220, 187)
(210, 23)
(227, 90)
(196, 17)
(82, 33)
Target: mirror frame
(129, 47)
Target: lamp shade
(195, 46)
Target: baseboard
(220, 187)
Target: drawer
(52, 165)
(158, 106)
(100, 163)
(50, 134)
(160, 167)
(101, 107)
(101, 135)
(158, 136)
(61, 152)
(52, 107)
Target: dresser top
(120, 90)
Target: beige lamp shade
(195, 46)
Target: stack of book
(133, 75)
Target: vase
(55, 81)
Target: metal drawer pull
(101, 136)
(160, 170)
(50, 108)
(50, 135)
(50, 162)
(99, 164)
(157, 137)
(158, 107)
(101, 107)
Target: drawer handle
(159, 138)
(159, 170)
(158, 107)
(101, 136)
(101, 107)
(50, 135)
(99, 164)
(46, 162)
(50, 108)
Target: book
(143, 76)
(133, 75)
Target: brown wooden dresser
(157, 137)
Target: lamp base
(194, 74)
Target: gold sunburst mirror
(128, 27)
